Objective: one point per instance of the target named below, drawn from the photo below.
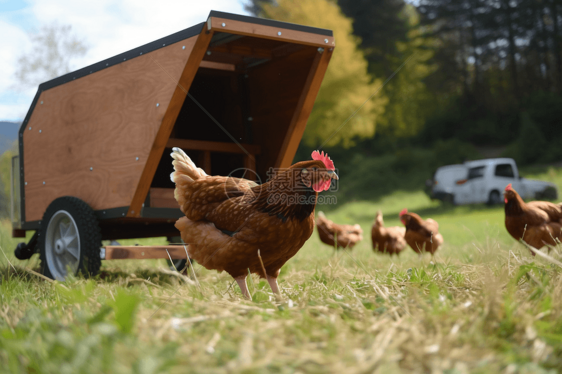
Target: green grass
(484, 305)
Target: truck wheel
(494, 198)
(69, 239)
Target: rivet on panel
(208, 53)
(183, 47)
(250, 119)
(326, 41)
(26, 183)
(279, 33)
(39, 131)
(91, 168)
(137, 159)
(41, 101)
(141, 53)
(223, 24)
(123, 214)
(30, 128)
(132, 212)
(163, 45)
(157, 104)
(43, 182)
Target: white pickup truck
(483, 181)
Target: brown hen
(537, 223)
(387, 239)
(339, 236)
(421, 235)
(227, 220)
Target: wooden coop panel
(84, 137)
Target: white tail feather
(184, 168)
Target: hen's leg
(241, 280)
(273, 284)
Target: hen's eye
(304, 171)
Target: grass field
(484, 305)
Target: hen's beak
(333, 175)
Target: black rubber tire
(449, 199)
(88, 228)
(494, 198)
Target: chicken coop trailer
(234, 92)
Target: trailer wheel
(69, 239)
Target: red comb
(404, 211)
(508, 187)
(324, 158)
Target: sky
(107, 27)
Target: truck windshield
(505, 170)
(477, 172)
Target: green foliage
(5, 180)
(409, 101)
(531, 144)
(125, 307)
(405, 169)
(346, 85)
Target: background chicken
(421, 235)
(387, 239)
(346, 235)
(538, 223)
(227, 220)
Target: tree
(54, 47)
(346, 85)
(381, 25)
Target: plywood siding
(84, 137)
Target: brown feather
(421, 236)
(538, 223)
(228, 220)
(341, 236)
(387, 239)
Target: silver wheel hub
(62, 245)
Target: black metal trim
(33, 225)
(120, 212)
(273, 23)
(171, 213)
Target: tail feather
(185, 172)
(184, 167)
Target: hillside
(8, 135)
